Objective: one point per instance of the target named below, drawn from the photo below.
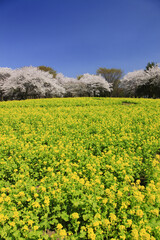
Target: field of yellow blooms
(81, 168)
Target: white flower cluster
(30, 82)
(87, 85)
(132, 80)
(96, 85)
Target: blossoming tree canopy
(133, 81)
(96, 84)
(87, 85)
(5, 73)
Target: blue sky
(79, 36)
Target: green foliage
(150, 65)
(79, 77)
(82, 168)
(48, 69)
(113, 76)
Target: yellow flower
(129, 222)
(127, 178)
(134, 234)
(144, 235)
(139, 213)
(46, 200)
(113, 217)
(152, 199)
(148, 228)
(138, 182)
(98, 198)
(50, 169)
(91, 234)
(124, 205)
(25, 227)
(30, 222)
(64, 179)
(7, 199)
(2, 217)
(75, 215)
(16, 214)
(36, 195)
(35, 228)
(59, 226)
(105, 200)
(119, 194)
(97, 181)
(21, 194)
(121, 227)
(132, 211)
(97, 216)
(138, 195)
(106, 222)
(12, 224)
(36, 204)
(87, 184)
(83, 228)
(108, 191)
(3, 189)
(63, 233)
(155, 212)
(96, 223)
(33, 189)
(126, 189)
(53, 192)
(81, 180)
(43, 189)
(123, 237)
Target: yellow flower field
(80, 168)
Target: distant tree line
(38, 82)
(45, 82)
(142, 83)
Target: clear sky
(79, 36)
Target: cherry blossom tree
(73, 87)
(87, 85)
(95, 85)
(5, 73)
(142, 83)
(151, 88)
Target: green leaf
(86, 217)
(82, 234)
(64, 216)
